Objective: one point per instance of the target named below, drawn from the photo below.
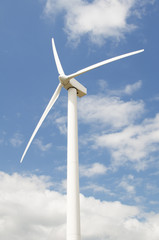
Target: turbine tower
(74, 89)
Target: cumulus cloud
(109, 111)
(30, 210)
(41, 146)
(92, 170)
(96, 189)
(62, 124)
(131, 88)
(99, 19)
(127, 90)
(127, 183)
(134, 143)
(58, 120)
(17, 140)
(118, 127)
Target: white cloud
(114, 125)
(92, 170)
(17, 140)
(29, 210)
(134, 143)
(102, 84)
(62, 124)
(99, 19)
(127, 90)
(109, 111)
(116, 221)
(61, 186)
(127, 183)
(59, 121)
(97, 188)
(41, 146)
(131, 88)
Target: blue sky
(118, 119)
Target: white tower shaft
(73, 202)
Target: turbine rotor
(68, 81)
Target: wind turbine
(74, 89)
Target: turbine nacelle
(73, 83)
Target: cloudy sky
(118, 119)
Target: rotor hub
(63, 79)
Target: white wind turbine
(74, 89)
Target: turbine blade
(48, 108)
(57, 60)
(102, 63)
